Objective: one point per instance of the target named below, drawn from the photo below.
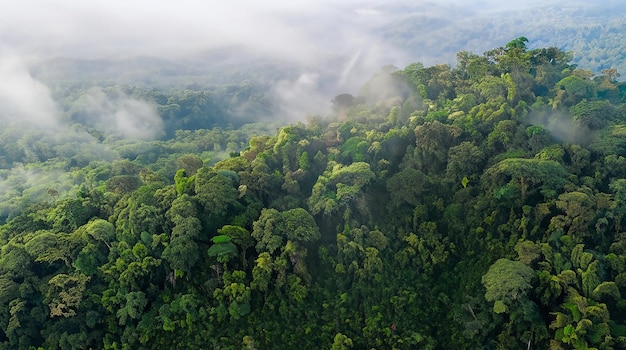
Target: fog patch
(312, 91)
(563, 127)
(21, 186)
(23, 98)
(301, 96)
(138, 120)
(117, 114)
(385, 87)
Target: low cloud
(563, 127)
(35, 131)
(23, 98)
(21, 186)
(118, 115)
(337, 43)
(27, 102)
(138, 119)
(300, 97)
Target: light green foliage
(69, 215)
(499, 307)
(573, 89)
(238, 235)
(241, 237)
(507, 281)
(339, 186)
(65, 293)
(47, 247)
(579, 210)
(354, 149)
(341, 342)
(222, 248)
(591, 278)
(100, 231)
(135, 304)
(594, 114)
(356, 174)
(528, 252)
(465, 182)
(300, 226)
(606, 291)
(273, 227)
(15, 262)
(184, 184)
(267, 231)
(262, 272)
(304, 161)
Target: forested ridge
(471, 207)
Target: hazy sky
(287, 28)
(116, 28)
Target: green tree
(216, 192)
(525, 174)
(339, 186)
(65, 294)
(239, 236)
(433, 140)
(573, 89)
(341, 342)
(506, 283)
(190, 163)
(222, 249)
(594, 114)
(183, 251)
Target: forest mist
(311, 174)
(299, 55)
(317, 49)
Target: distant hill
(594, 32)
(214, 67)
(425, 32)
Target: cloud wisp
(118, 115)
(23, 98)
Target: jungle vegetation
(480, 206)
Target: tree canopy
(478, 206)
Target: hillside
(432, 33)
(476, 207)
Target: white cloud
(301, 97)
(23, 98)
(118, 114)
(137, 119)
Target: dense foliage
(113, 123)
(474, 207)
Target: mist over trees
(475, 206)
(343, 175)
